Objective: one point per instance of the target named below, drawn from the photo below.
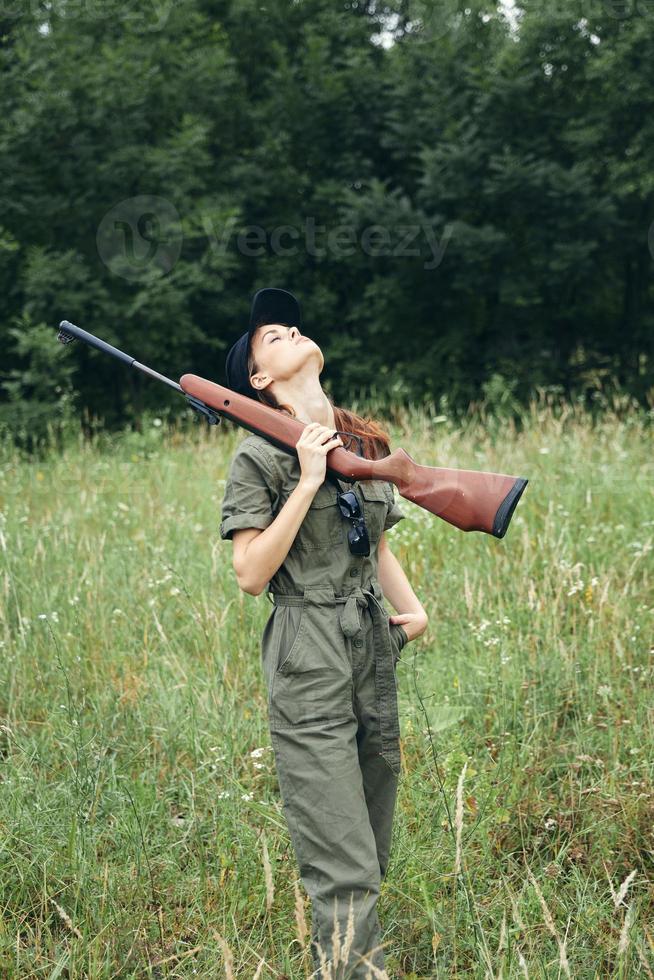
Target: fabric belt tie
(389, 722)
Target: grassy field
(142, 829)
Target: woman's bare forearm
(267, 551)
(395, 585)
(411, 614)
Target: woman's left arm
(395, 586)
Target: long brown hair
(374, 439)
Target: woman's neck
(311, 405)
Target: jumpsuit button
(353, 572)
(358, 642)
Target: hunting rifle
(471, 500)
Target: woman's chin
(311, 351)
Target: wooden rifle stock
(471, 500)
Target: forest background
(461, 196)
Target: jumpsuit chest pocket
(323, 524)
(375, 507)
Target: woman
(329, 647)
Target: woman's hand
(312, 447)
(414, 624)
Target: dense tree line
(459, 199)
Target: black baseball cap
(269, 305)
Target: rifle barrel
(68, 331)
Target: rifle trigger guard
(199, 407)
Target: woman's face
(280, 351)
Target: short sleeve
(249, 492)
(393, 514)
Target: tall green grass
(142, 828)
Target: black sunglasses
(357, 535)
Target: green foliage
(40, 395)
(474, 200)
(499, 399)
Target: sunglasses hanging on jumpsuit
(328, 655)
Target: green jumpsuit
(328, 654)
